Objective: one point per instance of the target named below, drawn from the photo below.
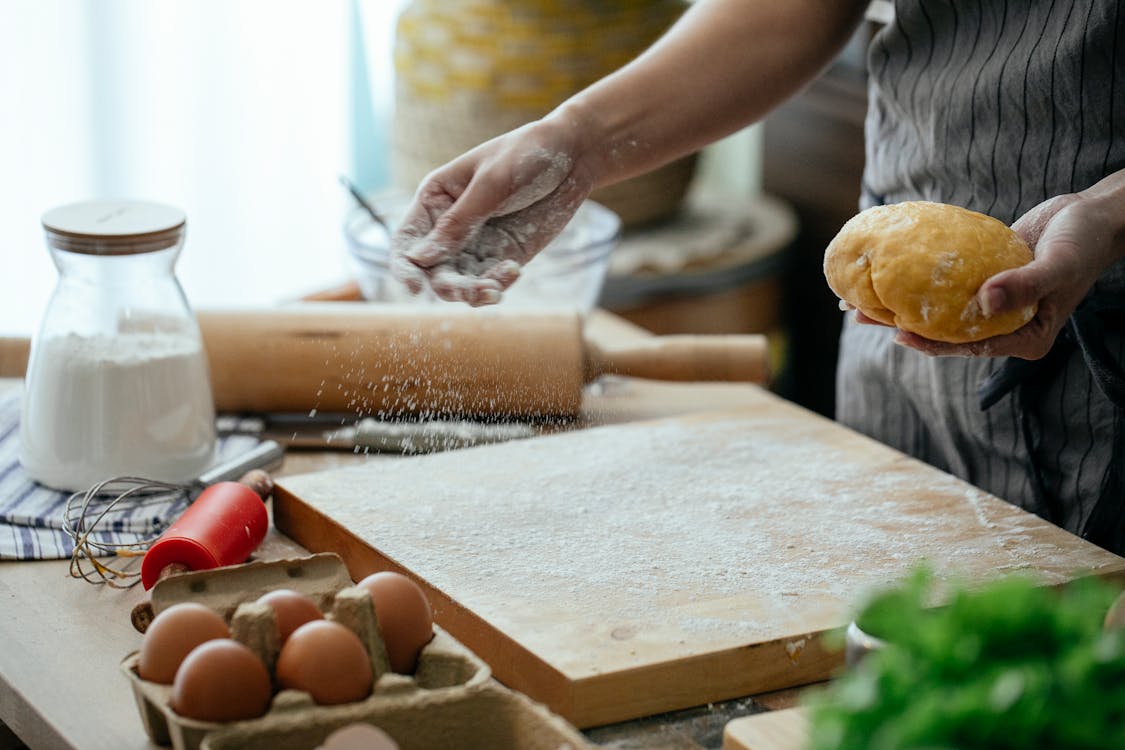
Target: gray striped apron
(997, 106)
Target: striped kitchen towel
(31, 515)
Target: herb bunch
(1007, 665)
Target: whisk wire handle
(266, 455)
(86, 510)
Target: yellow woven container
(468, 70)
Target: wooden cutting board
(777, 730)
(621, 571)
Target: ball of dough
(918, 266)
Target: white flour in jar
(134, 404)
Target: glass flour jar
(117, 381)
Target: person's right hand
(477, 220)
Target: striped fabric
(997, 106)
(31, 516)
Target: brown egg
(172, 635)
(326, 660)
(359, 737)
(221, 680)
(406, 620)
(292, 610)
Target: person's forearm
(724, 65)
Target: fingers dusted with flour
(478, 220)
(723, 65)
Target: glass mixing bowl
(568, 273)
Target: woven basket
(469, 70)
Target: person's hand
(1072, 239)
(477, 220)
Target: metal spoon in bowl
(370, 209)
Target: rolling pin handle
(685, 358)
(14, 353)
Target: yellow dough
(918, 265)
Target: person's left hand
(1073, 245)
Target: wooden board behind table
(625, 570)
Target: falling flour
(132, 404)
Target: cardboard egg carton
(450, 702)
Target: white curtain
(241, 112)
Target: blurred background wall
(241, 113)
(245, 113)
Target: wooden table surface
(63, 639)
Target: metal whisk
(90, 510)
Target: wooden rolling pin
(387, 359)
(13, 356)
